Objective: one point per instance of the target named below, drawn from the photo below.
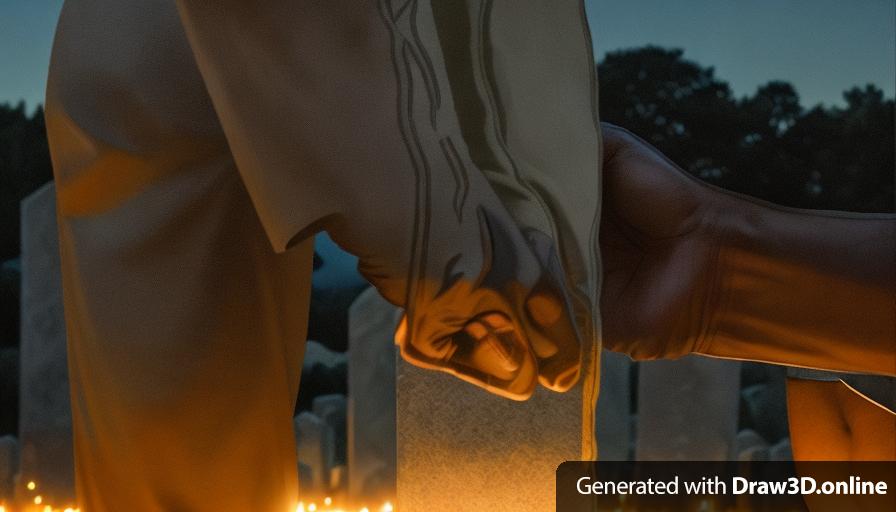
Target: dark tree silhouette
(24, 166)
(766, 145)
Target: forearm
(805, 288)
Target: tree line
(766, 145)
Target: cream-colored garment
(185, 330)
(528, 105)
(181, 135)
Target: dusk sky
(821, 46)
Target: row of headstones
(321, 448)
(419, 436)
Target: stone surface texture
(688, 409)
(45, 414)
(315, 450)
(613, 422)
(9, 465)
(371, 401)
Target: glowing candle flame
(328, 505)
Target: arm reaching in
(691, 268)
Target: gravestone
(458, 444)
(454, 441)
(750, 446)
(314, 447)
(9, 466)
(316, 353)
(688, 409)
(765, 404)
(371, 398)
(462, 448)
(781, 451)
(332, 410)
(45, 424)
(613, 422)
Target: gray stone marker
(332, 410)
(688, 409)
(314, 447)
(461, 448)
(613, 422)
(458, 446)
(371, 399)
(45, 422)
(750, 446)
(316, 353)
(9, 466)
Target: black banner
(726, 486)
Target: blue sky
(821, 46)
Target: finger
(492, 354)
(555, 341)
(491, 344)
(549, 322)
(488, 352)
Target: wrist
(805, 288)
